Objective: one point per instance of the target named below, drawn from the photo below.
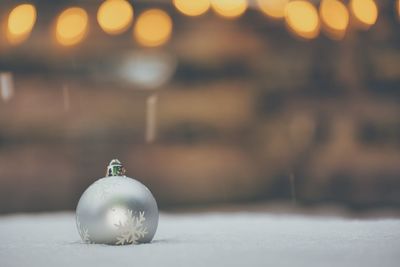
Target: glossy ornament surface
(117, 210)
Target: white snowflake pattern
(132, 229)
(83, 232)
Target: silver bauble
(117, 210)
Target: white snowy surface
(210, 239)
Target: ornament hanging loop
(115, 168)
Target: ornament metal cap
(115, 168)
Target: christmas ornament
(117, 210)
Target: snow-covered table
(208, 239)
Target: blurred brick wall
(248, 107)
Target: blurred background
(207, 102)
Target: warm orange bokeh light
(153, 28)
(398, 8)
(229, 8)
(115, 16)
(192, 7)
(273, 8)
(20, 23)
(72, 26)
(364, 11)
(335, 18)
(302, 18)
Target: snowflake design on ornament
(132, 229)
(83, 232)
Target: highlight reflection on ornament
(117, 210)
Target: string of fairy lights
(153, 27)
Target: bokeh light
(115, 16)
(229, 8)
(192, 7)
(146, 69)
(6, 86)
(273, 8)
(72, 26)
(20, 23)
(364, 11)
(153, 28)
(398, 8)
(335, 18)
(302, 19)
